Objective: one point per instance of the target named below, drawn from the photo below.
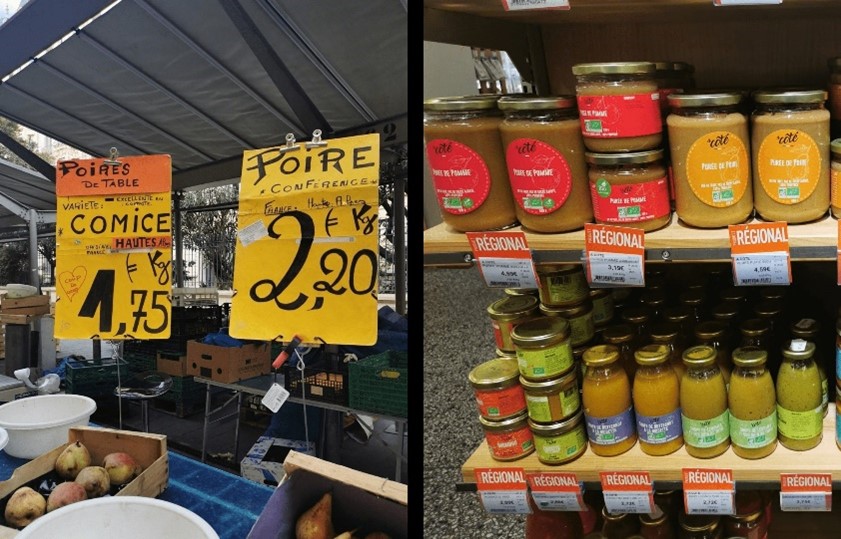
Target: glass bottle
(703, 404)
(727, 312)
(753, 405)
(655, 300)
(656, 527)
(622, 337)
(656, 398)
(809, 329)
(668, 333)
(714, 333)
(682, 316)
(638, 317)
(799, 414)
(772, 311)
(699, 526)
(619, 525)
(606, 396)
(694, 299)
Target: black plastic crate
(94, 378)
(321, 381)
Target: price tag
(275, 397)
(746, 2)
(806, 492)
(838, 235)
(627, 492)
(614, 255)
(517, 5)
(708, 491)
(504, 259)
(760, 254)
(503, 490)
(556, 491)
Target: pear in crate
(71, 461)
(65, 494)
(24, 506)
(317, 521)
(121, 467)
(96, 481)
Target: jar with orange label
(506, 313)
(544, 154)
(509, 439)
(496, 386)
(467, 163)
(630, 189)
(790, 150)
(835, 176)
(710, 154)
(619, 106)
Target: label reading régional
(789, 163)
(461, 177)
(718, 169)
(540, 177)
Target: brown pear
(65, 494)
(346, 535)
(316, 522)
(95, 480)
(70, 461)
(24, 506)
(121, 467)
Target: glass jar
(709, 146)
(667, 334)
(835, 175)
(638, 317)
(799, 413)
(551, 524)
(753, 405)
(619, 106)
(506, 313)
(748, 522)
(703, 404)
(699, 526)
(561, 284)
(622, 337)
(619, 525)
(834, 86)
(552, 400)
(544, 153)
(559, 442)
(809, 329)
(714, 333)
(694, 299)
(790, 148)
(496, 386)
(508, 439)
(543, 348)
(606, 396)
(521, 292)
(656, 397)
(655, 300)
(580, 318)
(630, 189)
(466, 160)
(656, 527)
(603, 308)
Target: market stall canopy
(22, 190)
(203, 80)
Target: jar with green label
(543, 347)
(753, 405)
(506, 313)
(552, 400)
(580, 318)
(809, 329)
(703, 404)
(799, 413)
(603, 308)
(561, 284)
(561, 441)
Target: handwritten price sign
(114, 248)
(307, 246)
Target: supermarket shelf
(666, 470)
(675, 243)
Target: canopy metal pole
(399, 205)
(34, 278)
(179, 239)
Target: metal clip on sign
(290, 145)
(316, 141)
(113, 159)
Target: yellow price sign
(114, 248)
(306, 259)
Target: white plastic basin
(39, 424)
(126, 517)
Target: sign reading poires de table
(614, 255)
(760, 254)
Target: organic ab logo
(603, 188)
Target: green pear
(74, 457)
(24, 506)
(95, 480)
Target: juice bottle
(703, 404)
(753, 405)
(657, 401)
(799, 413)
(606, 395)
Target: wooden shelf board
(825, 458)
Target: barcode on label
(764, 280)
(609, 279)
(504, 283)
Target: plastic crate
(94, 378)
(321, 382)
(380, 383)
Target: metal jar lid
(699, 356)
(749, 356)
(798, 349)
(599, 293)
(521, 292)
(652, 354)
(692, 297)
(506, 424)
(496, 372)
(790, 96)
(614, 68)
(512, 307)
(664, 332)
(551, 384)
(726, 310)
(710, 329)
(636, 315)
(653, 519)
(618, 334)
(754, 327)
(653, 298)
(768, 308)
(773, 292)
(460, 103)
(536, 103)
(628, 158)
(733, 293)
(806, 328)
(571, 311)
(698, 523)
(540, 332)
(559, 427)
(600, 355)
(721, 99)
(835, 148)
(677, 314)
(559, 269)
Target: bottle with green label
(753, 404)
(703, 404)
(799, 410)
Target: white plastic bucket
(40, 423)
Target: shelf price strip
(614, 255)
(627, 492)
(503, 490)
(760, 254)
(518, 5)
(806, 492)
(708, 491)
(838, 252)
(556, 491)
(504, 259)
(746, 2)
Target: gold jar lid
(636, 315)
(494, 372)
(726, 310)
(559, 427)
(806, 328)
(614, 68)
(664, 332)
(512, 307)
(607, 515)
(698, 523)
(558, 269)
(628, 158)
(798, 349)
(651, 354)
(710, 329)
(721, 99)
(790, 96)
(677, 314)
(749, 356)
(505, 354)
(699, 356)
(835, 148)
(540, 332)
(653, 519)
(755, 327)
(733, 293)
(750, 517)
(571, 311)
(542, 385)
(505, 424)
(768, 308)
(600, 355)
(653, 298)
(509, 103)
(599, 293)
(461, 103)
(521, 292)
(772, 292)
(692, 298)
(618, 334)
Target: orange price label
(503, 490)
(627, 492)
(128, 175)
(614, 255)
(709, 491)
(760, 254)
(806, 492)
(556, 491)
(504, 259)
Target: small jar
(580, 318)
(699, 526)
(655, 300)
(619, 525)
(748, 522)
(543, 348)
(619, 106)
(603, 308)
(622, 337)
(835, 176)
(506, 313)
(544, 153)
(552, 400)
(790, 150)
(561, 285)
(630, 189)
(734, 293)
(496, 386)
(560, 442)
(710, 154)
(466, 160)
(509, 439)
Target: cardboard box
(227, 364)
(148, 449)
(360, 501)
(264, 461)
(171, 364)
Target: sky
(8, 8)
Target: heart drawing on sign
(71, 282)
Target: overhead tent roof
(20, 190)
(203, 80)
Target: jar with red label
(506, 313)
(545, 158)
(496, 385)
(509, 439)
(618, 106)
(467, 163)
(630, 189)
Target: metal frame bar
(46, 169)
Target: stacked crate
(94, 378)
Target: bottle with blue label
(606, 395)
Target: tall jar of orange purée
(608, 413)
(467, 163)
(657, 401)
